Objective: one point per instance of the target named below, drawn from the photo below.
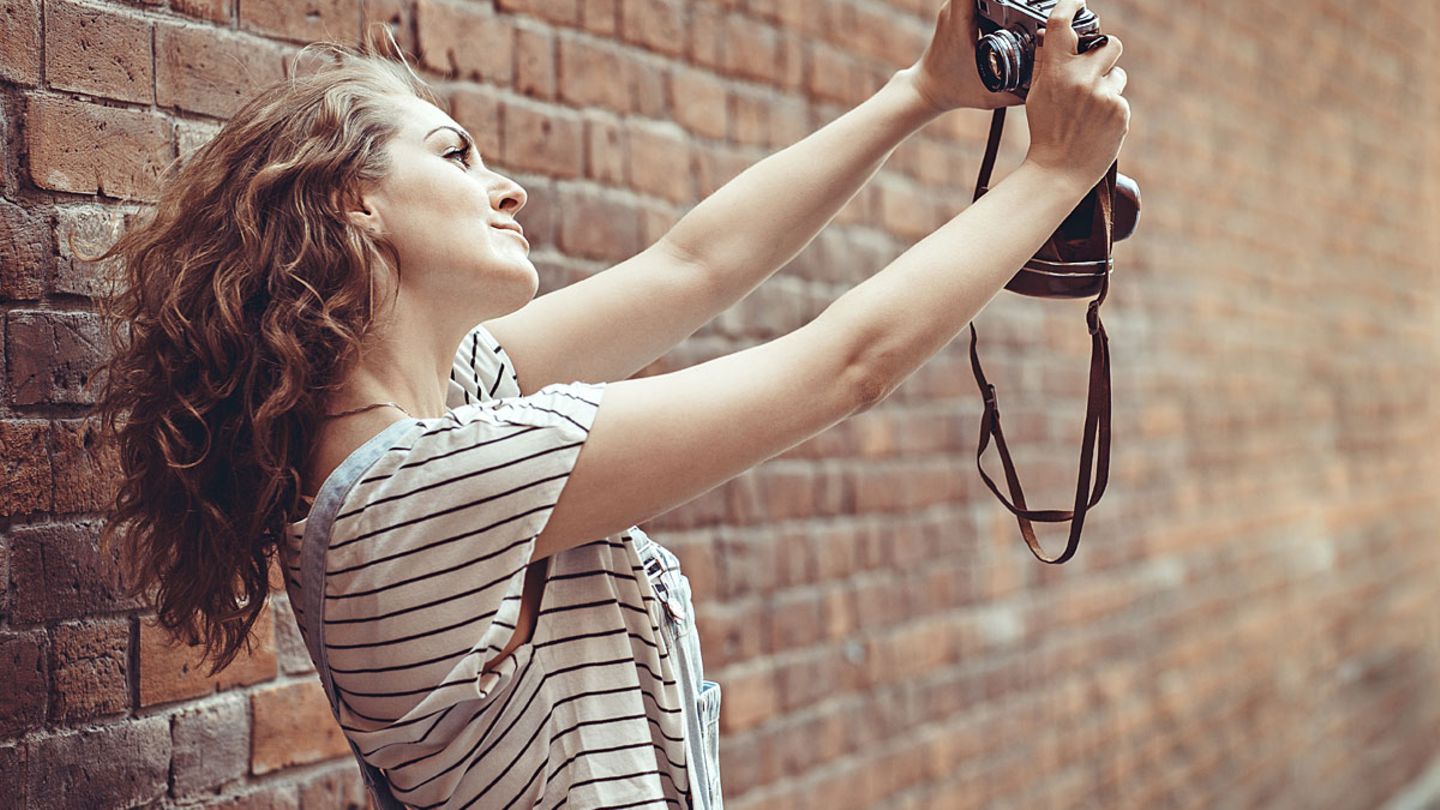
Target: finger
(1106, 55)
(1060, 28)
(1115, 80)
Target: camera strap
(1054, 268)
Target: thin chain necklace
(366, 408)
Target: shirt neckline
(386, 436)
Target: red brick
(538, 218)
(478, 109)
(270, 797)
(833, 75)
(171, 670)
(338, 787)
(597, 226)
(20, 41)
(655, 24)
(211, 744)
(717, 165)
(221, 11)
(751, 121)
(23, 668)
(125, 764)
(210, 71)
(606, 149)
(649, 80)
(600, 17)
(302, 22)
(290, 650)
(59, 572)
(560, 12)
(750, 700)
(26, 476)
(465, 41)
(705, 36)
(398, 16)
(547, 141)
(52, 356)
(26, 252)
(89, 665)
(535, 62)
(85, 148)
(700, 102)
(752, 50)
(293, 726)
(660, 161)
(592, 75)
(89, 49)
(93, 229)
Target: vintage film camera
(1005, 54)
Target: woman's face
(441, 209)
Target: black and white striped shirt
(424, 573)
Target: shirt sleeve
(481, 370)
(428, 577)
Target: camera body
(1005, 53)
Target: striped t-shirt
(424, 574)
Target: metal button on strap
(654, 567)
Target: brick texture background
(1251, 619)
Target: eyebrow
(464, 136)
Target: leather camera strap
(1097, 414)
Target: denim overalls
(700, 698)
(700, 703)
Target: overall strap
(1097, 413)
(312, 585)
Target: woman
(490, 625)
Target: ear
(365, 215)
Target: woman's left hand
(946, 75)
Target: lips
(510, 226)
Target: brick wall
(1249, 621)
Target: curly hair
(244, 293)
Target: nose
(507, 195)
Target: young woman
(331, 305)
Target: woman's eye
(464, 161)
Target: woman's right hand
(1077, 115)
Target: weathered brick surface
(89, 666)
(20, 41)
(293, 725)
(86, 148)
(209, 71)
(340, 787)
(24, 672)
(210, 744)
(25, 252)
(51, 356)
(57, 571)
(465, 41)
(170, 670)
(114, 766)
(25, 471)
(302, 22)
(99, 51)
(1257, 571)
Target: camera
(1005, 54)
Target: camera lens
(1001, 58)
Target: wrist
(1066, 180)
(909, 83)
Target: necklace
(366, 408)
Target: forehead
(420, 118)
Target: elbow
(870, 388)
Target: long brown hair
(243, 294)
